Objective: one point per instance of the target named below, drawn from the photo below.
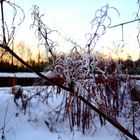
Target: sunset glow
(72, 19)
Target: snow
(49, 74)
(18, 74)
(20, 126)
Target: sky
(73, 17)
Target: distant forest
(8, 67)
(132, 67)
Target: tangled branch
(98, 26)
(7, 36)
(43, 31)
(79, 104)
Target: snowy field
(48, 74)
(16, 124)
(19, 126)
(25, 74)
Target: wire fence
(128, 33)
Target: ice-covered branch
(98, 26)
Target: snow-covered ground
(15, 124)
(18, 74)
(19, 126)
(49, 74)
(34, 75)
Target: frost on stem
(9, 29)
(98, 26)
(84, 75)
(82, 64)
(43, 32)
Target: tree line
(130, 66)
(8, 67)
